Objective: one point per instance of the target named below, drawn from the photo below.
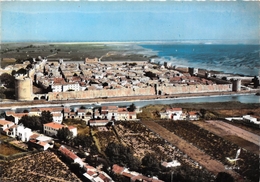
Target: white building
(52, 128)
(109, 112)
(251, 119)
(173, 113)
(57, 117)
(20, 132)
(71, 86)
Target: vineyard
(215, 146)
(142, 141)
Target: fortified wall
(162, 90)
(123, 92)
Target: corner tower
(23, 88)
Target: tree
(2, 95)
(64, 134)
(223, 177)
(8, 80)
(150, 74)
(132, 107)
(29, 66)
(46, 117)
(203, 112)
(32, 122)
(122, 155)
(82, 107)
(150, 163)
(22, 71)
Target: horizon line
(191, 41)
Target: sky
(82, 21)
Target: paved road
(233, 130)
(193, 152)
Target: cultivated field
(142, 140)
(215, 146)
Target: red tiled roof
(103, 177)
(192, 113)
(58, 81)
(66, 109)
(122, 109)
(34, 136)
(175, 109)
(68, 153)
(91, 173)
(53, 125)
(4, 122)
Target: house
(251, 119)
(94, 175)
(172, 113)
(4, 124)
(20, 132)
(124, 115)
(173, 163)
(109, 112)
(193, 115)
(71, 155)
(40, 141)
(55, 111)
(52, 128)
(57, 117)
(15, 117)
(98, 122)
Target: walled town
(93, 78)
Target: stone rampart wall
(101, 93)
(193, 89)
(138, 91)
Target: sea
(238, 59)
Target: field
(70, 52)
(215, 146)
(142, 141)
(7, 149)
(43, 166)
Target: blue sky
(129, 21)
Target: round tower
(23, 89)
(236, 85)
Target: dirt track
(202, 158)
(233, 130)
(232, 133)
